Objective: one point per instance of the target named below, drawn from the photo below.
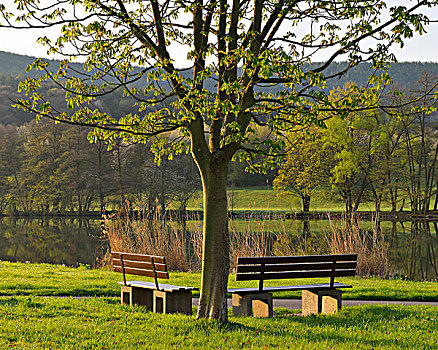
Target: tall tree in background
(420, 147)
(308, 166)
(250, 64)
(11, 146)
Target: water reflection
(412, 245)
(54, 240)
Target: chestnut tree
(217, 78)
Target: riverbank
(250, 213)
(257, 202)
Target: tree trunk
(393, 200)
(306, 203)
(215, 254)
(348, 201)
(99, 178)
(306, 229)
(163, 184)
(123, 202)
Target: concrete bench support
(172, 302)
(136, 296)
(321, 301)
(257, 305)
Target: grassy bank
(50, 323)
(266, 199)
(45, 279)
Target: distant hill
(13, 69)
(405, 74)
(12, 64)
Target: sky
(420, 48)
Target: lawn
(102, 323)
(263, 198)
(28, 319)
(59, 280)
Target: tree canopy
(250, 65)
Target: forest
(373, 156)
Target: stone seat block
(172, 302)
(257, 305)
(321, 301)
(136, 296)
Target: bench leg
(172, 302)
(321, 301)
(257, 305)
(136, 296)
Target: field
(264, 198)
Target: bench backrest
(139, 264)
(284, 267)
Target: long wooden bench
(316, 298)
(157, 297)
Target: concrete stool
(326, 301)
(172, 302)
(257, 305)
(136, 296)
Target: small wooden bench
(316, 298)
(160, 298)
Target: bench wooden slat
(139, 257)
(151, 285)
(317, 286)
(296, 274)
(139, 265)
(140, 272)
(296, 267)
(295, 259)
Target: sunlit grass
(46, 279)
(263, 198)
(102, 323)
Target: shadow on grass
(8, 301)
(356, 325)
(28, 301)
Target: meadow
(264, 198)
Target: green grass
(264, 199)
(102, 323)
(58, 280)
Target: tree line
(381, 155)
(368, 156)
(53, 168)
(49, 167)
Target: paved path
(293, 304)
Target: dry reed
(346, 237)
(181, 243)
(247, 242)
(156, 236)
(181, 246)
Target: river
(412, 246)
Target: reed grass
(156, 235)
(347, 236)
(181, 243)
